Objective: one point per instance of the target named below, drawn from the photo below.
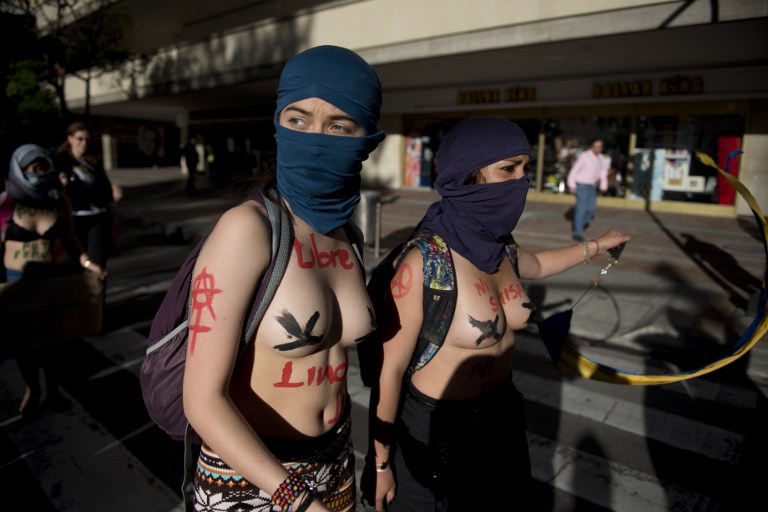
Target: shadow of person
(590, 446)
(705, 436)
(722, 268)
(537, 294)
(747, 224)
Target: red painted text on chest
(510, 292)
(320, 258)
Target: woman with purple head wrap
(449, 432)
(275, 419)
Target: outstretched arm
(541, 264)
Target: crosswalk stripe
(673, 430)
(605, 483)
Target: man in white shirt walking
(589, 172)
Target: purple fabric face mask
(476, 219)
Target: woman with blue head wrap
(449, 431)
(275, 421)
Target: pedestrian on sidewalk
(91, 193)
(588, 173)
(37, 240)
(450, 434)
(276, 419)
(191, 159)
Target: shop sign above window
(681, 85)
(673, 86)
(507, 95)
(622, 89)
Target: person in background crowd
(90, 192)
(39, 243)
(191, 159)
(589, 172)
(210, 162)
(276, 419)
(450, 435)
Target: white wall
(753, 172)
(384, 167)
(386, 31)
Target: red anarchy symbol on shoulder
(202, 298)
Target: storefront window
(665, 167)
(567, 137)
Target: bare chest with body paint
(488, 306)
(321, 301)
(36, 224)
(476, 356)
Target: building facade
(658, 81)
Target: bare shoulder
(247, 218)
(242, 233)
(407, 282)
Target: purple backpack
(162, 371)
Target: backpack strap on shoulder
(282, 240)
(356, 239)
(439, 295)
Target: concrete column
(108, 152)
(752, 173)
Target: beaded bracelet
(288, 491)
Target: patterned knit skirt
(327, 462)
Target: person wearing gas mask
(38, 243)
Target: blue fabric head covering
(319, 174)
(476, 219)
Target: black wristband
(308, 499)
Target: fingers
(382, 501)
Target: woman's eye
(341, 129)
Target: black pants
(95, 235)
(461, 454)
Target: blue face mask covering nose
(319, 175)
